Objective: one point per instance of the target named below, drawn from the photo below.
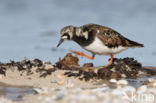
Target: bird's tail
(135, 44)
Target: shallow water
(16, 93)
(137, 82)
(30, 28)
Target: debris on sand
(121, 68)
(28, 67)
(68, 62)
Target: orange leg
(82, 54)
(111, 61)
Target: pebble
(151, 80)
(60, 95)
(48, 66)
(41, 90)
(60, 88)
(105, 85)
(154, 84)
(122, 82)
(113, 81)
(123, 76)
(53, 81)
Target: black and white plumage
(97, 39)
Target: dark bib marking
(82, 41)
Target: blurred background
(30, 28)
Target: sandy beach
(72, 83)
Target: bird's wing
(110, 37)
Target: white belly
(98, 47)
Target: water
(139, 81)
(30, 28)
(16, 93)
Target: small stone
(60, 95)
(122, 82)
(113, 80)
(123, 76)
(154, 84)
(48, 67)
(113, 70)
(151, 80)
(53, 81)
(105, 85)
(41, 90)
(60, 88)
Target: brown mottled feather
(110, 37)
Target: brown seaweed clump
(67, 62)
(28, 66)
(121, 68)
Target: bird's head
(66, 34)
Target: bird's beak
(60, 42)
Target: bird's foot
(105, 66)
(110, 62)
(82, 54)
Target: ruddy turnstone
(97, 39)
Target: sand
(50, 85)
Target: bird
(97, 39)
